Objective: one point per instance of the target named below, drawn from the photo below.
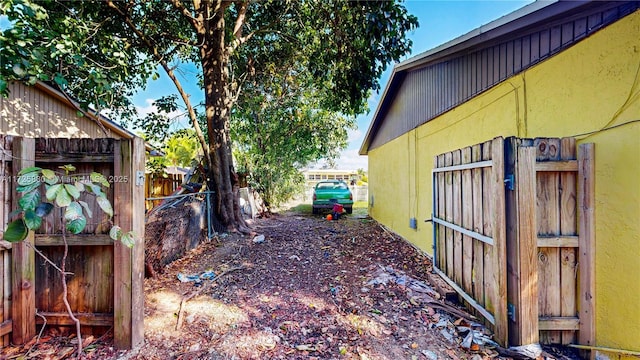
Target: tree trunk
(218, 102)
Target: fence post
(528, 246)
(23, 305)
(128, 286)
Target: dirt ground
(307, 291)
(312, 289)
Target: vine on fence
(62, 190)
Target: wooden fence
(512, 220)
(106, 287)
(159, 186)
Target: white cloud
(351, 160)
(353, 136)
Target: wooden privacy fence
(512, 220)
(106, 287)
(159, 186)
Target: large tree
(99, 52)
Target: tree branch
(169, 71)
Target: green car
(328, 192)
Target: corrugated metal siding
(434, 89)
(31, 112)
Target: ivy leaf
(30, 200)
(63, 198)
(87, 209)
(16, 231)
(43, 209)
(29, 170)
(128, 239)
(73, 211)
(115, 233)
(27, 188)
(28, 179)
(105, 205)
(72, 190)
(76, 226)
(100, 179)
(32, 220)
(52, 191)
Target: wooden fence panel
(469, 186)
(29, 283)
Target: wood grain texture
(457, 218)
(586, 256)
(467, 223)
(568, 227)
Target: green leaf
(27, 188)
(73, 211)
(32, 220)
(105, 205)
(115, 233)
(67, 168)
(87, 209)
(79, 186)
(49, 176)
(100, 179)
(28, 179)
(29, 170)
(128, 239)
(72, 190)
(30, 200)
(16, 231)
(43, 209)
(76, 226)
(63, 198)
(52, 191)
(3, 86)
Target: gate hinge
(509, 181)
(511, 312)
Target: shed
(517, 143)
(41, 126)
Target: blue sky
(440, 21)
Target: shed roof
(433, 82)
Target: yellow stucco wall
(592, 86)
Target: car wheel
(349, 210)
(314, 210)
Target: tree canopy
(100, 52)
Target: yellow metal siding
(31, 112)
(592, 86)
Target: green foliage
(63, 191)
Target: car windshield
(332, 185)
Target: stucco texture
(590, 91)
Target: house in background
(313, 176)
(550, 73)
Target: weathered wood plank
(6, 327)
(86, 319)
(73, 240)
(527, 235)
(557, 166)
(562, 241)
(122, 254)
(488, 210)
(23, 258)
(587, 234)
(568, 227)
(467, 222)
(478, 226)
(448, 161)
(457, 219)
(500, 247)
(550, 323)
(513, 245)
(138, 227)
(74, 158)
(548, 219)
(468, 166)
(442, 252)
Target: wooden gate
(469, 228)
(507, 215)
(106, 289)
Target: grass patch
(360, 208)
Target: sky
(439, 22)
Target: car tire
(314, 210)
(349, 210)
